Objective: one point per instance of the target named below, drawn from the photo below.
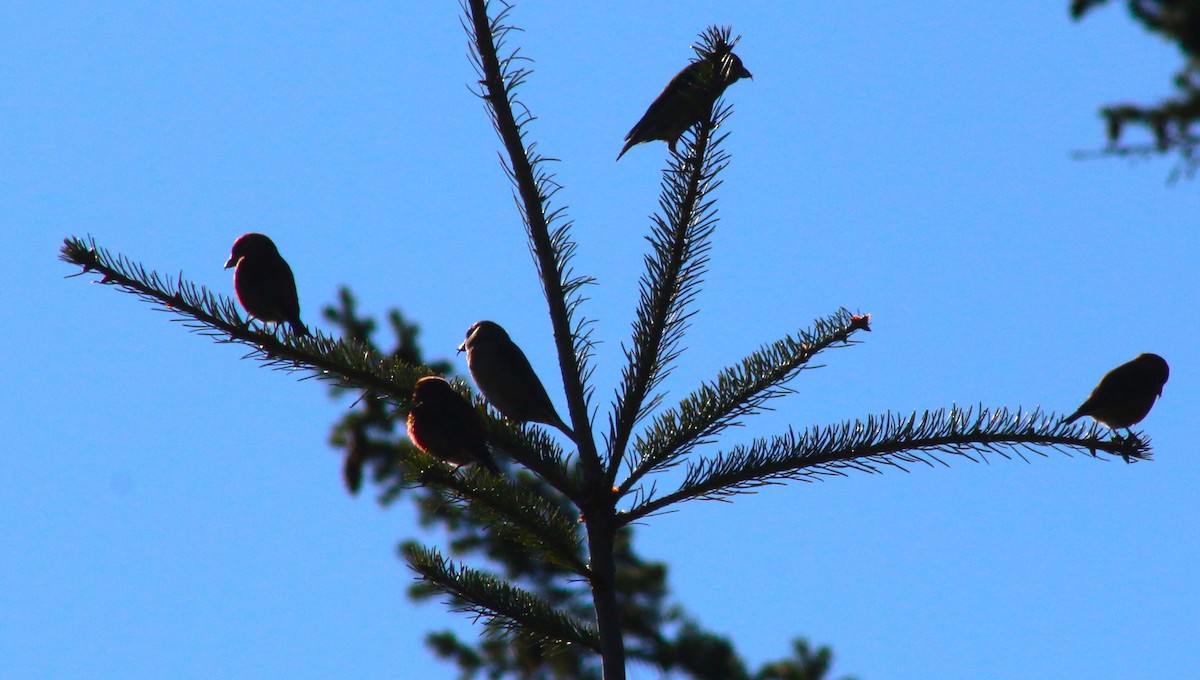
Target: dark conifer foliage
(659, 631)
(1169, 122)
(552, 577)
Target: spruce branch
(532, 447)
(367, 431)
(349, 363)
(680, 239)
(738, 391)
(511, 510)
(1168, 141)
(886, 441)
(547, 229)
(506, 609)
(1170, 122)
(552, 252)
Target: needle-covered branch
(680, 239)
(349, 363)
(548, 230)
(533, 448)
(216, 316)
(552, 250)
(507, 608)
(738, 391)
(889, 441)
(512, 511)
(1170, 122)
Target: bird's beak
(463, 347)
(230, 262)
(747, 74)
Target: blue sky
(171, 511)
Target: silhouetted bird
(445, 425)
(687, 99)
(1126, 393)
(503, 374)
(264, 283)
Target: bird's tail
(299, 329)
(628, 145)
(564, 428)
(1071, 418)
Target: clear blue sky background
(171, 511)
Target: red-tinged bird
(1126, 393)
(503, 374)
(264, 283)
(445, 425)
(687, 99)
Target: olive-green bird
(504, 376)
(687, 99)
(1126, 393)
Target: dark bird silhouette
(503, 374)
(264, 283)
(687, 99)
(1126, 393)
(445, 425)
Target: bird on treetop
(689, 97)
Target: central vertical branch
(549, 253)
(602, 531)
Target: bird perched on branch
(1126, 393)
(504, 376)
(264, 283)
(445, 425)
(688, 98)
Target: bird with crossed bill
(688, 99)
(264, 282)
